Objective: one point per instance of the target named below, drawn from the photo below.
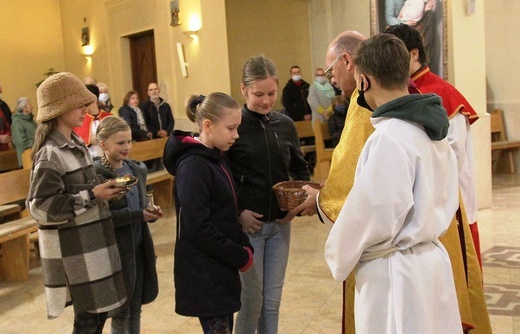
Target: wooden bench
(161, 180)
(304, 129)
(16, 236)
(8, 160)
(323, 154)
(501, 148)
(26, 159)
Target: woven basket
(290, 194)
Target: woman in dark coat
(132, 115)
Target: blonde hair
(200, 107)
(107, 128)
(258, 68)
(110, 126)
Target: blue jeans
(128, 320)
(262, 284)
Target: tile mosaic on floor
(502, 299)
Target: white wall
(503, 61)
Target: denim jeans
(262, 284)
(88, 323)
(128, 320)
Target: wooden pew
(323, 154)
(16, 235)
(8, 160)
(26, 159)
(304, 129)
(161, 180)
(501, 148)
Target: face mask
(361, 101)
(340, 108)
(321, 80)
(0, 96)
(103, 97)
(296, 77)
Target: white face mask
(296, 77)
(103, 97)
(321, 80)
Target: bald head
(346, 42)
(340, 54)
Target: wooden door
(144, 67)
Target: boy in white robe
(404, 197)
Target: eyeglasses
(328, 71)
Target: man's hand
(249, 221)
(162, 134)
(308, 207)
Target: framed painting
(428, 16)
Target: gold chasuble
(339, 183)
(467, 275)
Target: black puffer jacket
(267, 152)
(210, 244)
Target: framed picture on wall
(427, 16)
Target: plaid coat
(79, 255)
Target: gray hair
(21, 103)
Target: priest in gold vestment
(330, 199)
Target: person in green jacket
(22, 127)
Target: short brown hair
(386, 58)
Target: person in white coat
(320, 97)
(403, 199)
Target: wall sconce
(194, 25)
(87, 50)
(191, 33)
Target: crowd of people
(402, 155)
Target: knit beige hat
(59, 94)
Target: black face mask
(361, 101)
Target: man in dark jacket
(157, 113)
(294, 96)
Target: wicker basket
(290, 193)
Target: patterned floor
(503, 299)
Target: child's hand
(249, 221)
(149, 216)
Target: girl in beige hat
(79, 256)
